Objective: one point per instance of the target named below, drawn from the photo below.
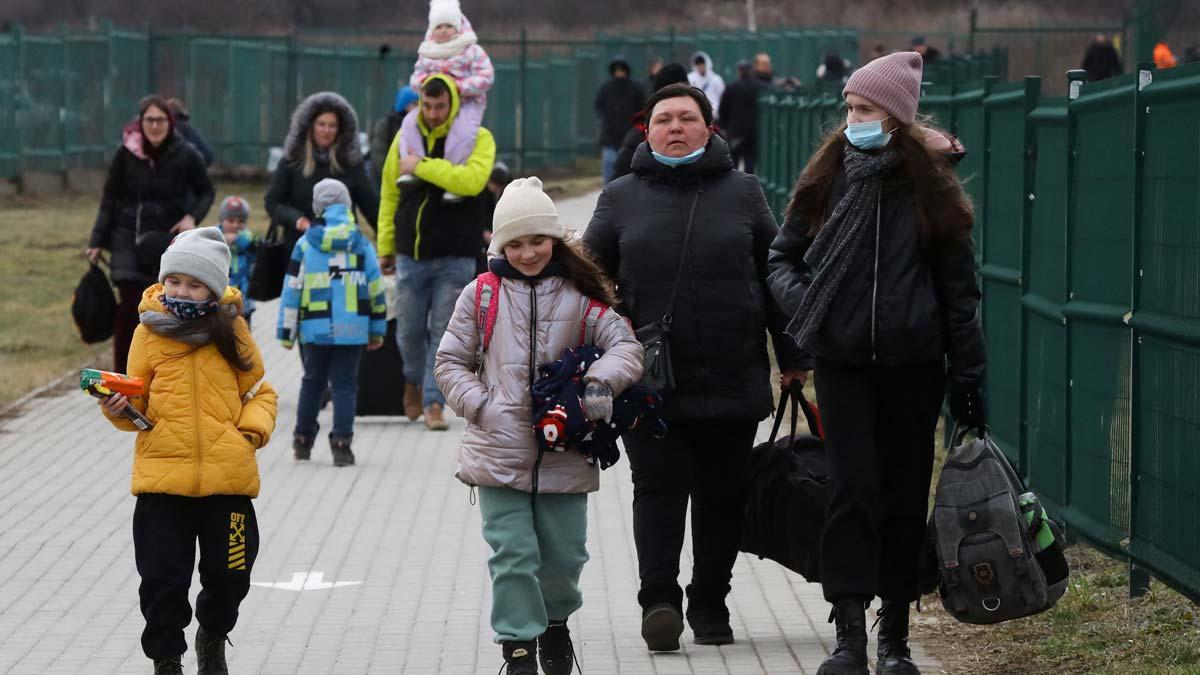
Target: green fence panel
(86, 136)
(1166, 322)
(1045, 285)
(12, 99)
(1007, 168)
(127, 81)
(534, 136)
(1100, 295)
(208, 93)
(44, 80)
(937, 100)
(504, 96)
(589, 75)
(970, 122)
(561, 123)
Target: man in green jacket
(431, 240)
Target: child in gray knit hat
(232, 221)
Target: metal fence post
(1075, 81)
(1033, 92)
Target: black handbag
(94, 307)
(657, 372)
(266, 280)
(149, 246)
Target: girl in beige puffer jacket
(534, 504)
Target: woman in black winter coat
(157, 186)
(875, 266)
(322, 142)
(720, 322)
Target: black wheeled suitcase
(381, 379)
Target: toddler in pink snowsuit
(451, 48)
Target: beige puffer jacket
(498, 448)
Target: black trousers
(879, 438)
(130, 295)
(706, 462)
(165, 531)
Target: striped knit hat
(892, 82)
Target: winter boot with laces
(850, 655)
(302, 447)
(210, 653)
(556, 653)
(520, 658)
(895, 658)
(342, 454)
(171, 665)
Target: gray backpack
(985, 530)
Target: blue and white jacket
(243, 252)
(333, 292)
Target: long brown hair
(222, 330)
(944, 209)
(585, 273)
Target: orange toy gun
(103, 385)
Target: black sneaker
(710, 625)
(520, 658)
(168, 666)
(210, 653)
(342, 454)
(302, 447)
(556, 653)
(662, 624)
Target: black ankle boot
(662, 624)
(520, 658)
(555, 651)
(850, 656)
(172, 665)
(894, 655)
(342, 454)
(302, 447)
(210, 653)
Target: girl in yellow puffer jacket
(195, 472)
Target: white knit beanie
(445, 11)
(524, 209)
(201, 253)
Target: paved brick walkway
(397, 527)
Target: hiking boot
(302, 447)
(342, 454)
(519, 657)
(850, 655)
(210, 653)
(662, 625)
(412, 402)
(172, 665)
(556, 653)
(895, 658)
(710, 625)
(434, 421)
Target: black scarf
(505, 270)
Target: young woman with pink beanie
(876, 267)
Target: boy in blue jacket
(233, 216)
(333, 304)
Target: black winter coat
(724, 309)
(900, 302)
(617, 101)
(739, 112)
(167, 189)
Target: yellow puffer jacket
(209, 417)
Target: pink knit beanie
(893, 82)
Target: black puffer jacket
(617, 101)
(724, 309)
(289, 197)
(166, 189)
(921, 300)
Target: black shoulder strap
(687, 236)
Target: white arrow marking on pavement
(305, 581)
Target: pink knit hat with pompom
(892, 82)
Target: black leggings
(879, 438)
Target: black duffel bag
(270, 265)
(787, 492)
(94, 307)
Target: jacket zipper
(537, 463)
(875, 278)
(196, 426)
(417, 242)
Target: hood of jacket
(337, 231)
(452, 47)
(346, 145)
(455, 101)
(702, 80)
(715, 160)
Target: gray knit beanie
(201, 253)
(892, 82)
(328, 192)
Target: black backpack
(94, 307)
(787, 493)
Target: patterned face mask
(190, 309)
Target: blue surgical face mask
(868, 135)
(678, 161)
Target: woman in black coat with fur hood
(321, 143)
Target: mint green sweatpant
(539, 547)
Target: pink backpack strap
(591, 321)
(487, 307)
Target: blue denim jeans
(337, 367)
(608, 161)
(426, 291)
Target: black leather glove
(966, 407)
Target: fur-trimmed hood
(348, 152)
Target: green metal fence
(1088, 235)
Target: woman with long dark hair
(875, 267)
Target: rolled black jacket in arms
(922, 299)
(724, 310)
